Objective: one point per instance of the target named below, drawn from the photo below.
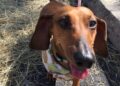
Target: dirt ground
(20, 66)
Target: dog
(69, 37)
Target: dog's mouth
(76, 72)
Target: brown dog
(76, 36)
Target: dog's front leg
(76, 82)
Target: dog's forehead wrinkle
(81, 12)
(85, 10)
(70, 11)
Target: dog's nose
(84, 61)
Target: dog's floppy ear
(100, 45)
(41, 37)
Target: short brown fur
(47, 26)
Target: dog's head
(77, 35)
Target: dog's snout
(84, 56)
(83, 61)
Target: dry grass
(20, 66)
(17, 22)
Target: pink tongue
(77, 73)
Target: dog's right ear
(100, 45)
(41, 37)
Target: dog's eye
(64, 22)
(92, 24)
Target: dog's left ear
(100, 45)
